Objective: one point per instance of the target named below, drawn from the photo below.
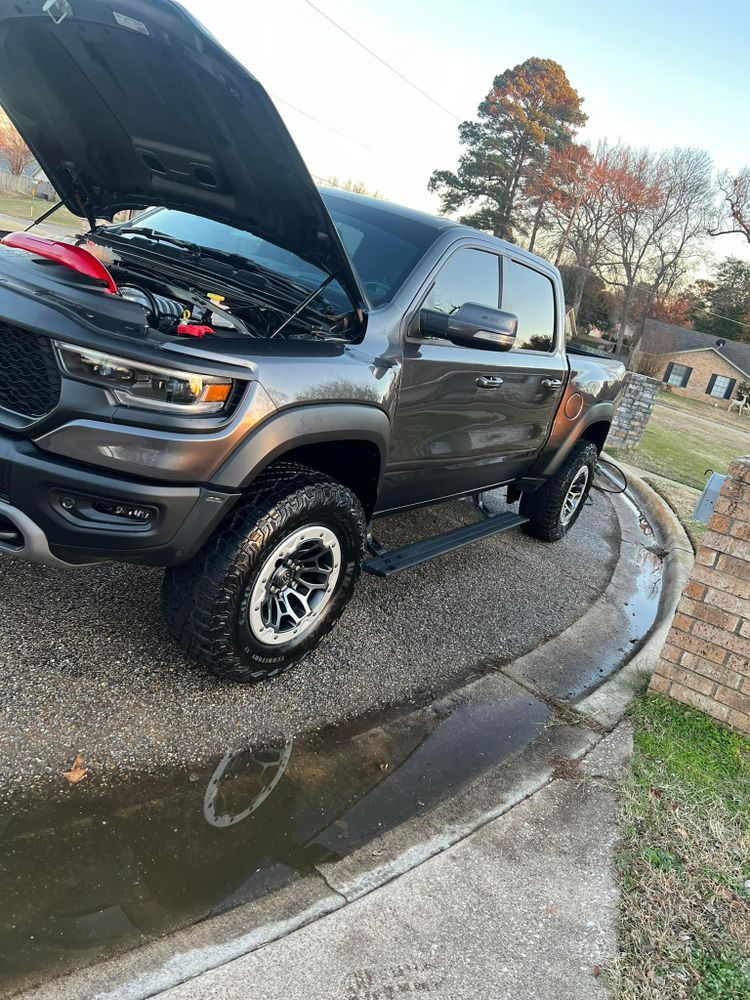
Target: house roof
(663, 338)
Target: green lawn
(684, 861)
(707, 410)
(681, 445)
(683, 500)
(28, 209)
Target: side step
(412, 555)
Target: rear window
(530, 296)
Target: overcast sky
(652, 72)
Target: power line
(319, 122)
(374, 55)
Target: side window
(467, 276)
(530, 296)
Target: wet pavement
(84, 878)
(88, 665)
(137, 851)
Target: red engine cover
(67, 254)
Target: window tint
(529, 295)
(467, 276)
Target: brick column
(705, 661)
(633, 410)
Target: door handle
(489, 381)
(552, 383)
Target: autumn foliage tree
(12, 147)
(531, 109)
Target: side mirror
(472, 324)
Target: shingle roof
(663, 338)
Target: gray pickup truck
(234, 383)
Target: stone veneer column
(633, 411)
(705, 661)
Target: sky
(659, 74)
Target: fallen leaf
(597, 970)
(77, 772)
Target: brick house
(692, 363)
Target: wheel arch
(592, 426)
(348, 442)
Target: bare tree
(12, 146)
(736, 207)
(584, 231)
(662, 211)
(678, 245)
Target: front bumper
(37, 522)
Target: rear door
(467, 417)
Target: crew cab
(238, 380)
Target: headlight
(135, 384)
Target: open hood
(133, 103)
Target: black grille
(4, 478)
(29, 376)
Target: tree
(357, 187)
(736, 204)
(558, 185)
(662, 205)
(530, 109)
(12, 147)
(596, 306)
(722, 305)
(581, 228)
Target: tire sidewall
(266, 659)
(575, 468)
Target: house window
(678, 375)
(720, 386)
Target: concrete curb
(608, 703)
(162, 964)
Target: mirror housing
(472, 325)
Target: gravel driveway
(88, 664)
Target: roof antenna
(720, 342)
(58, 10)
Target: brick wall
(704, 365)
(633, 410)
(705, 661)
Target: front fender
(290, 429)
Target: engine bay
(204, 309)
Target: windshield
(383, 245)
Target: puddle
(102, 872)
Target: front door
(469, 418)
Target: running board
(389, 563)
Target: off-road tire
(205, 600)
(544, 507)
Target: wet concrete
(95, 874)
(577, 661)
(122, 859)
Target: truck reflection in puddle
(104, 871)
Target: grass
(681, 446)
(684, 862)
(683, 501)
(27, 209)
(707, 410)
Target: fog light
(140, 514)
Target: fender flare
(550, 460)
(290, 429)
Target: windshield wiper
(157, 237)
